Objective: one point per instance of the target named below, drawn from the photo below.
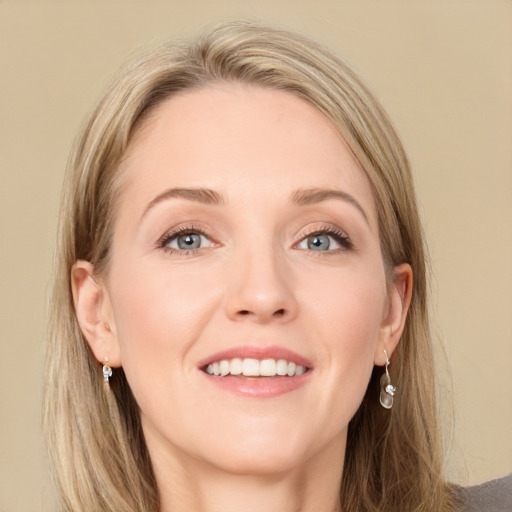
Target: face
(246, 240)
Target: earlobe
(399, 299)
(94, 313)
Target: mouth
(254, 371)
(250, 367)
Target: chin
(258, 462)
(271, 451)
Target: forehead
(240, 139)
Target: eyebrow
(308, 196)
(200, 195)
(301, 197)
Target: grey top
(493, 496)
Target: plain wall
(443, 69)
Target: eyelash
(339, 236)
(171, 235)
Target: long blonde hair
(95, 442)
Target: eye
(319, 242)
(188, 241)
(185, 241)
(316, 243)
(325, 241)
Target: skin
(254, 280)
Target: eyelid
(173, 233)
(339, 234)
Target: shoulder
(493, 496)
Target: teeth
(224, 367)
(282, 367)
(251, 367)
(255, 368)
(235, 366)
(267, 368)
(300, 370)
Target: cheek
(159, 315)
(348, 307)
(348, 316)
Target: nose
(261, 289)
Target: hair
(95, 442)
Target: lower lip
(259, 387)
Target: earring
(107, 371)
(387, 390)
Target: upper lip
(257, 352)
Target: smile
(250, 367)
(257, 371)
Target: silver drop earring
(107, 371)
(387, 390)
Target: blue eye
(318, 242)
(186, 241)
(325, 241)
(189, 241)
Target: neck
(190, 485)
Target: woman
(240, 303)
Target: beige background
(444, 71)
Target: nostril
(244, 312)
(279, 312)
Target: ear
(94, 313)
(399, 299)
